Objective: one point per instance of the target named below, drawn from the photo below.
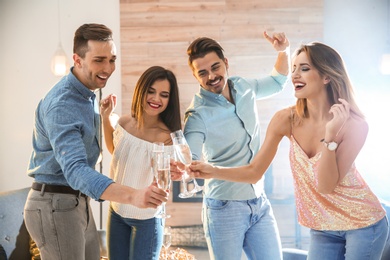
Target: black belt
(56, 189)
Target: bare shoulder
(127, 122)
(281, 121)
(283, 114)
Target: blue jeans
(62, 226)
(133, 239)
(362, 244)
(234, 225)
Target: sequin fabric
(352, 205)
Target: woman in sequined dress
(326, 130)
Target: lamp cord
(58, 17)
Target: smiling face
(211, 72)
(305, 77)
(157, 97)
(98, 64)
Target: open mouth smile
(214, 83)
(299, 86)
(154, 105)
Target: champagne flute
(185, 177)
(163, 177)
(167, 237)
(158, 147)
(184, 155)
(185, 193)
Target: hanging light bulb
(59, 62)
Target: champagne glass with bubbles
(158, 147)
(184, 155)
(161, 170)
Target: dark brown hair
(171, 115)
(86, 32)
(202, 46)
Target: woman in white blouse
(135, 233)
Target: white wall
(28, 39)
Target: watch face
(332, 146)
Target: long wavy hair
(329, 63)
(171, 115)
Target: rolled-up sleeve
(195, 132)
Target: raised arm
(252, 173)
(350, 133)
(281, 44)
(107, 106)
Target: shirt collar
(80, 87)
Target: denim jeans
(362, 244)
(62, 226)
(134, 239)
(234, 225)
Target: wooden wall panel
(158, 32)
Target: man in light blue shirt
(65, 151)
(222, 127)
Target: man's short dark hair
(91, 31)
(202, 46)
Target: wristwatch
(330, 145)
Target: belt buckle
(43, 189)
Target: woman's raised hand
(341, 113)
(107, 105)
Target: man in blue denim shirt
(65, 151)
(222, 122)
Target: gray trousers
(62, 226)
